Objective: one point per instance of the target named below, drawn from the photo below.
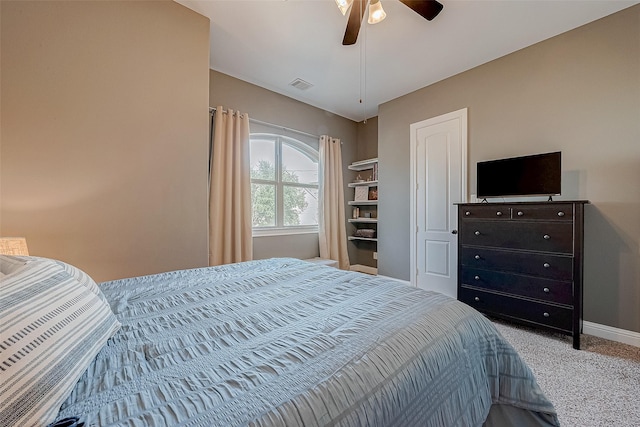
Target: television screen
(539, 174)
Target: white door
(438, 180)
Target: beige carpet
(598, 385)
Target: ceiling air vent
(300, 84)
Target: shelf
(363, 202)
(362, 190)
(363, 164)
(363, 184)
(364, 220)
(364, 269)
(367, 239)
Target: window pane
(300, 206)
(263, 158)
(263, 205)
(297, 167)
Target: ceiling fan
(428, 9)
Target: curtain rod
(211, 109)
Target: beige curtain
(230, 237)
(331, 223)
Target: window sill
(270, 232)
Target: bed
(279, 342)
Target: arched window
(284, 185)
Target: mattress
(284, 342)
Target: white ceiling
(272, 42)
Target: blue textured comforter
(285, 342)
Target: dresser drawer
(544, 237)
(485, 212)
(516, 308)
(561, 212)
(527, 286)
(550, 266)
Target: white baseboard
(364, 269)
(611, 333)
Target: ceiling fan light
(376, 12)
(344, 5)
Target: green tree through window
(284, 183)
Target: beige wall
(271, 107)
(579, 93)
(368, 139)
(104, 138)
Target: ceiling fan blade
(428, 9)
(354, 22)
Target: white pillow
(51, 328)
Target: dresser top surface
(554, 202)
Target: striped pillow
(84, 279)
(10, 263)
(51, 328)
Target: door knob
(454, 231)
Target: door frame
(413, 139)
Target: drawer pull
(546, 237)
(546, 265)
(476, 277)
(477, 257)
(520, 213)
(467, 213)
(560, 214)
(477, 233)
(499, 213)
(545, 314)
(546, 290)
(476, 299)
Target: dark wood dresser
(523, 262)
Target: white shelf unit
(364, 165)
(371, 205)
(367, 239)
(363, 203)
(364, 220)
(364, 184)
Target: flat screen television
(535, 175)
